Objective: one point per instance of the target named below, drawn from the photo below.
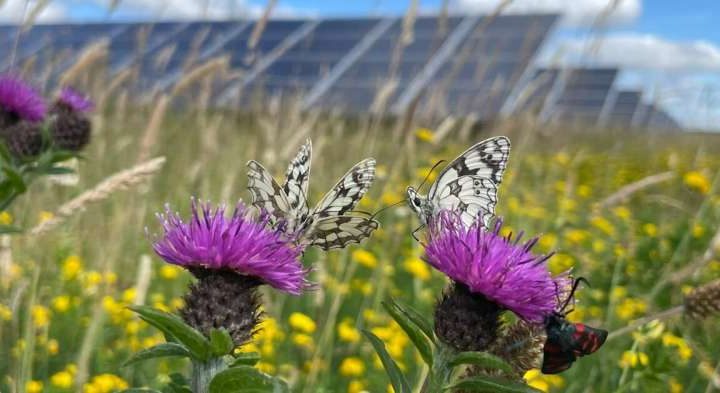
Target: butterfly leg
(416, 231)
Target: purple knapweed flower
(75, 100)
(503, 270)
(19, 99)
(241, 244)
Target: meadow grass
(63, 318)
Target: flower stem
(440, 373)
(661, 316)
(203, 373)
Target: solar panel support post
(152, 47)
(263, 64)
(638, 114)
(450, 46)
(510, 105)
(323, 85)
(215, 47)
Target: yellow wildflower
(365, 258)
(650, 229)
(63, 379)
(697, 230)
(356, 386)
(169, 272)
(424, 134)
(303, 340)
(61, 303)
(417, 268)
(543, 382)
(302, 323)
(71, 267)
(53, 347)
(105, 383)
(33, 387)
(44, 216)
(622, 212)
(352, 367)
(675, 386)
(5, 218)
(697, 181)
(347, 332)
(603, 224)
(634, 359)
(5, 312)
(40, 315)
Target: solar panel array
(435, 65)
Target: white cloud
(13, 11)
(575, 12)
(640, 52)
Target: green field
(64, 325)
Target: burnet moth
(567, 341)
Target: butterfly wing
(266, 194)
(297, 178)
(486, 159)
(329, 226)
(472, 196)
(469, 183)
(339, 231)
(346, 194)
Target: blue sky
(670, 49)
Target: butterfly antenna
(430, 173)
(386, 208)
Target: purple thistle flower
(75, 100)
(504, 271)
(20, 99)
(241, 244)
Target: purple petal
(239, 243)
(18, 97)
(503, 270)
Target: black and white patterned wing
(266, 193)
(338, 231)
(346, 194)
(472, 196)
(297, 178)
(486, 159)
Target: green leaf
(6, 229)
(245, 359)
(397, 379)
(246, 379)
(491, 385)
(194, 341)
(415, 334)
(482, 359)
(221, 342)
(159, 351)
(423, 323)
(140, 390)
(59, 170)
(5, 153)
(15, 179)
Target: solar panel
(624, 107)
(580, 94)
(533, 95)
(395, 56)
(313, 57)
(480, 77)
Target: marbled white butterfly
(330, 224)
